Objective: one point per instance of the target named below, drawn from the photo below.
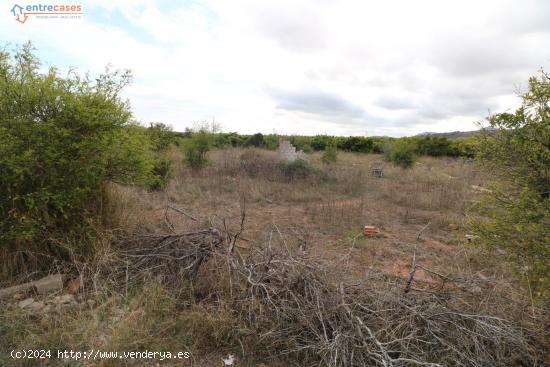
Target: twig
(181, 211)
(411, 274)
(422, 230)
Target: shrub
(162, 173)
(161, 136)
(197, 148)
(129, 158)
(329, 155)
(320, 142)
(400, 153)
(378, 146)
(298, 169)
(234, 139)
(256, 140)
(465, 148)
(434, 146)
(61, 140)
(358, 144)
(271, 142)
(517, 212)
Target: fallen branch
(181, 211)
(168, 256)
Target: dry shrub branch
(300, 305)
(167, 257)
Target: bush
(320, 142)
(329, 155)
(161, 136)
(465, 147)
(517, 211)
(400, 153)
(162, 173)
(61, 140)
(358, 144)
(434, 146)
(378, 145)
(271, 142)
(256, 140)
(298, 169)
(197, 148)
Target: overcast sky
(305, 67)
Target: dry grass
(421, 212)
(333, 203)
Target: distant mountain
(457, 134)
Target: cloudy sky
(305, 67)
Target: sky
(372, 67)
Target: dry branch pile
(302, 307)
(168, 257)
(298, 306)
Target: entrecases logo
(48, 11)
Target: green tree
(320, 142)
(256, 140)
(61, 139)
(434, 146)
(356, 144)
(196, 149)
(161, 135)
(517, 212)
(400, 152)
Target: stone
(49, 284)
(36, 306)
(26, 302)
(470, 237)
(44, 285)
(63, 299)
(476, 290)
(229, 360)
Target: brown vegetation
(295, 281)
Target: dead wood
(165, 256)
(297, 305)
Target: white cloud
(338, 67)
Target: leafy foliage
(256, 140)
(61, 140)
(197, 148)
(435, 146)
(161, 136)
(400, 153)
(355, 144)
(320, 142)
(518, 210)
(162, 173)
